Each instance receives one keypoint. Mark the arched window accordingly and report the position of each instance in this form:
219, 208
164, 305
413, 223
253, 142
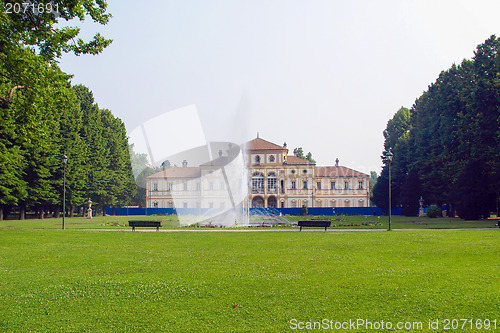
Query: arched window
271, 158
258, 202
257, 159
258, 182
347, 203
271, 182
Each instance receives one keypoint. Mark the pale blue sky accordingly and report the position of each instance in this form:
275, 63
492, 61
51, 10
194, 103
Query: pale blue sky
324, 75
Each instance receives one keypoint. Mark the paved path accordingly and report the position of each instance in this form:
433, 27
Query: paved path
271, 230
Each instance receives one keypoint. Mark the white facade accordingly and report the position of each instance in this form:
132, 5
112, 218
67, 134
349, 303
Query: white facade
275, 179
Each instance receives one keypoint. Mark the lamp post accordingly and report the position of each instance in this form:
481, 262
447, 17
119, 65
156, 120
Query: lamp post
421, 208
312, 197
388, 158
64, 160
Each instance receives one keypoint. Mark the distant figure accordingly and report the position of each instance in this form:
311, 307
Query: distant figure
89, 210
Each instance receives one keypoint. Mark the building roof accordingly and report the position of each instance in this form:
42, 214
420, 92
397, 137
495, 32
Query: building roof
176, 172
340, 171
260, 144
294, 160
219, 161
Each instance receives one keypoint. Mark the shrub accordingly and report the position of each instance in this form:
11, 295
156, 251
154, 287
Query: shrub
433, 211
304, 210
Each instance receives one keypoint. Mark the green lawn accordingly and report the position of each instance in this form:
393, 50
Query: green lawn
171, 221
99, 281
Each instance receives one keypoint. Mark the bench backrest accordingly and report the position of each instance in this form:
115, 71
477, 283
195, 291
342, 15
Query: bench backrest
314, 223
144, 223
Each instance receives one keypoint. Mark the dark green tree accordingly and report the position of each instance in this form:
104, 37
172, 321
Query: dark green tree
450, 152
299, 152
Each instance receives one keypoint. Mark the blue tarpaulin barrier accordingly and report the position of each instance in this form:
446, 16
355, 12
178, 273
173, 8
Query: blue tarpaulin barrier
314, 211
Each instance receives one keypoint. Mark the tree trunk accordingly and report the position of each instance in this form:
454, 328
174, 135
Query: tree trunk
57, 212
40, 213
71, 210
22, 211
1, 212
114, 211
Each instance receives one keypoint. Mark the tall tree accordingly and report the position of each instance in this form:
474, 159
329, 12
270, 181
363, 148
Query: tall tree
450, 153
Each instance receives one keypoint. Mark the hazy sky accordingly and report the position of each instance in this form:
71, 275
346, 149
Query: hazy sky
323, 75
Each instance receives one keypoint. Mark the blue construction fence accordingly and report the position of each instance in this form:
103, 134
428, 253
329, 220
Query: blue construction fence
314, 211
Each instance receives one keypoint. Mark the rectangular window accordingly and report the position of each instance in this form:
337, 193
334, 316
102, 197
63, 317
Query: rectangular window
293, 186
185, 187
170, 186
185, 205
271, 184
258, 182
305, 185
318, 185
346, 185
155, 187
211, 186
222, 185
360, 185
210, 205
332, 185
294, 204
198, 186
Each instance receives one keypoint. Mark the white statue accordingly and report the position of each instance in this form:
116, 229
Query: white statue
89, 210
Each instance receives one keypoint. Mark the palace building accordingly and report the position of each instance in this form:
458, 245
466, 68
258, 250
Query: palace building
275, 180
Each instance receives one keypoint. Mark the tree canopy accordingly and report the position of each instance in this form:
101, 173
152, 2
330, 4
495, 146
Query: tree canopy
299, 152
43, 117
446, 147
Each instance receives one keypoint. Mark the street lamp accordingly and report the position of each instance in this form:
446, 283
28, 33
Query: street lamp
312, 197
388, 158
64, 160
421, 209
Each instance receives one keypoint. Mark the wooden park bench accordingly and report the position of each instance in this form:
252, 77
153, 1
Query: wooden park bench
314, 223
145, 224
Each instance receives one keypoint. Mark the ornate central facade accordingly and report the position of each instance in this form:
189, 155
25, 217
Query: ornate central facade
280, 180
276, 180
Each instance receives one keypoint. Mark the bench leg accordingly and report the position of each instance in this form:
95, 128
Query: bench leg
325, 228
300, 228
133, 228
157, 228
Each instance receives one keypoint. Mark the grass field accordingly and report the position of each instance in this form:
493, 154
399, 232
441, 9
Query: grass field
99, 281
171, 221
